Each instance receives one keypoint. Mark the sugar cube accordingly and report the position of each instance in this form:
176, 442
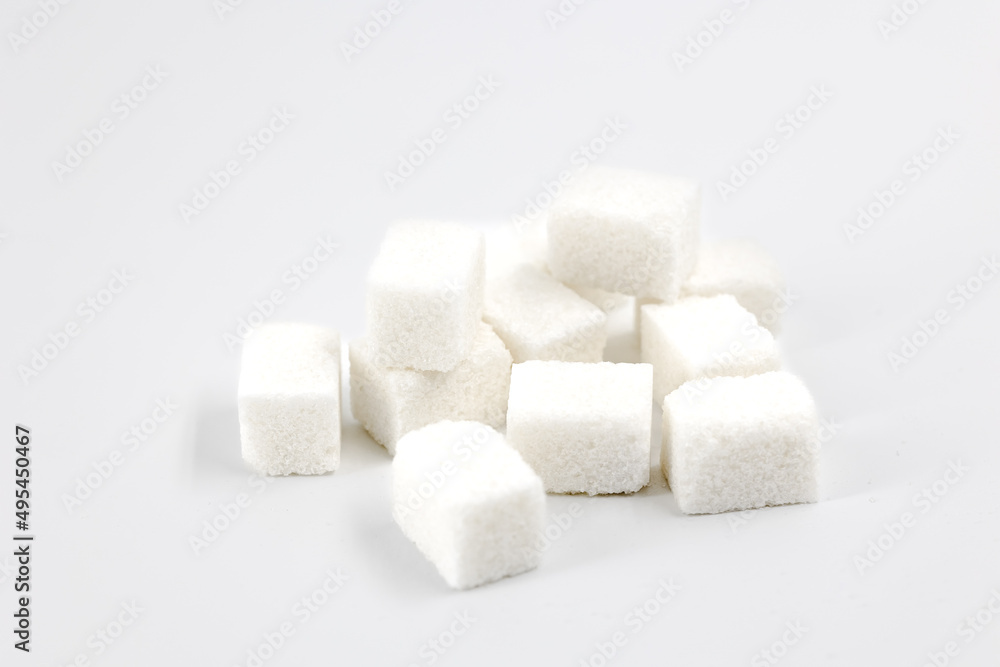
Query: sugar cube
425, 295
745, 270
603, 299
585, 428
625, 231
289, 399
736, 443
468, 501
701, 337
537, 317
390, 402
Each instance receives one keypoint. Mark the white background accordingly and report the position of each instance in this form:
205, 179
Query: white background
741, 578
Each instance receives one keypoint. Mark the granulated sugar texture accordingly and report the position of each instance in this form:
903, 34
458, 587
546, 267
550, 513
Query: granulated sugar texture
486, 373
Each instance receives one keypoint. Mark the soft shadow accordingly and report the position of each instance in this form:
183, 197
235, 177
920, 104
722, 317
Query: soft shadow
395, 559
357, 449
622, 348
217, 443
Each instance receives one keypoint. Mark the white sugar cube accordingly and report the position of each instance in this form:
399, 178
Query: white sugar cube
468, 501
737, 443
390, 402
585, 428
701, 337
606, 301
537, 317
625, 231
510, 246
745, 270
289, 399
425, 295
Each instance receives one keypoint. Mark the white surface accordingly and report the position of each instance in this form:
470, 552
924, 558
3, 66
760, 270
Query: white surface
742, 577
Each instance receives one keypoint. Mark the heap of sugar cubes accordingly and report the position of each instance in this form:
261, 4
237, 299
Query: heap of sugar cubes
488, 385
